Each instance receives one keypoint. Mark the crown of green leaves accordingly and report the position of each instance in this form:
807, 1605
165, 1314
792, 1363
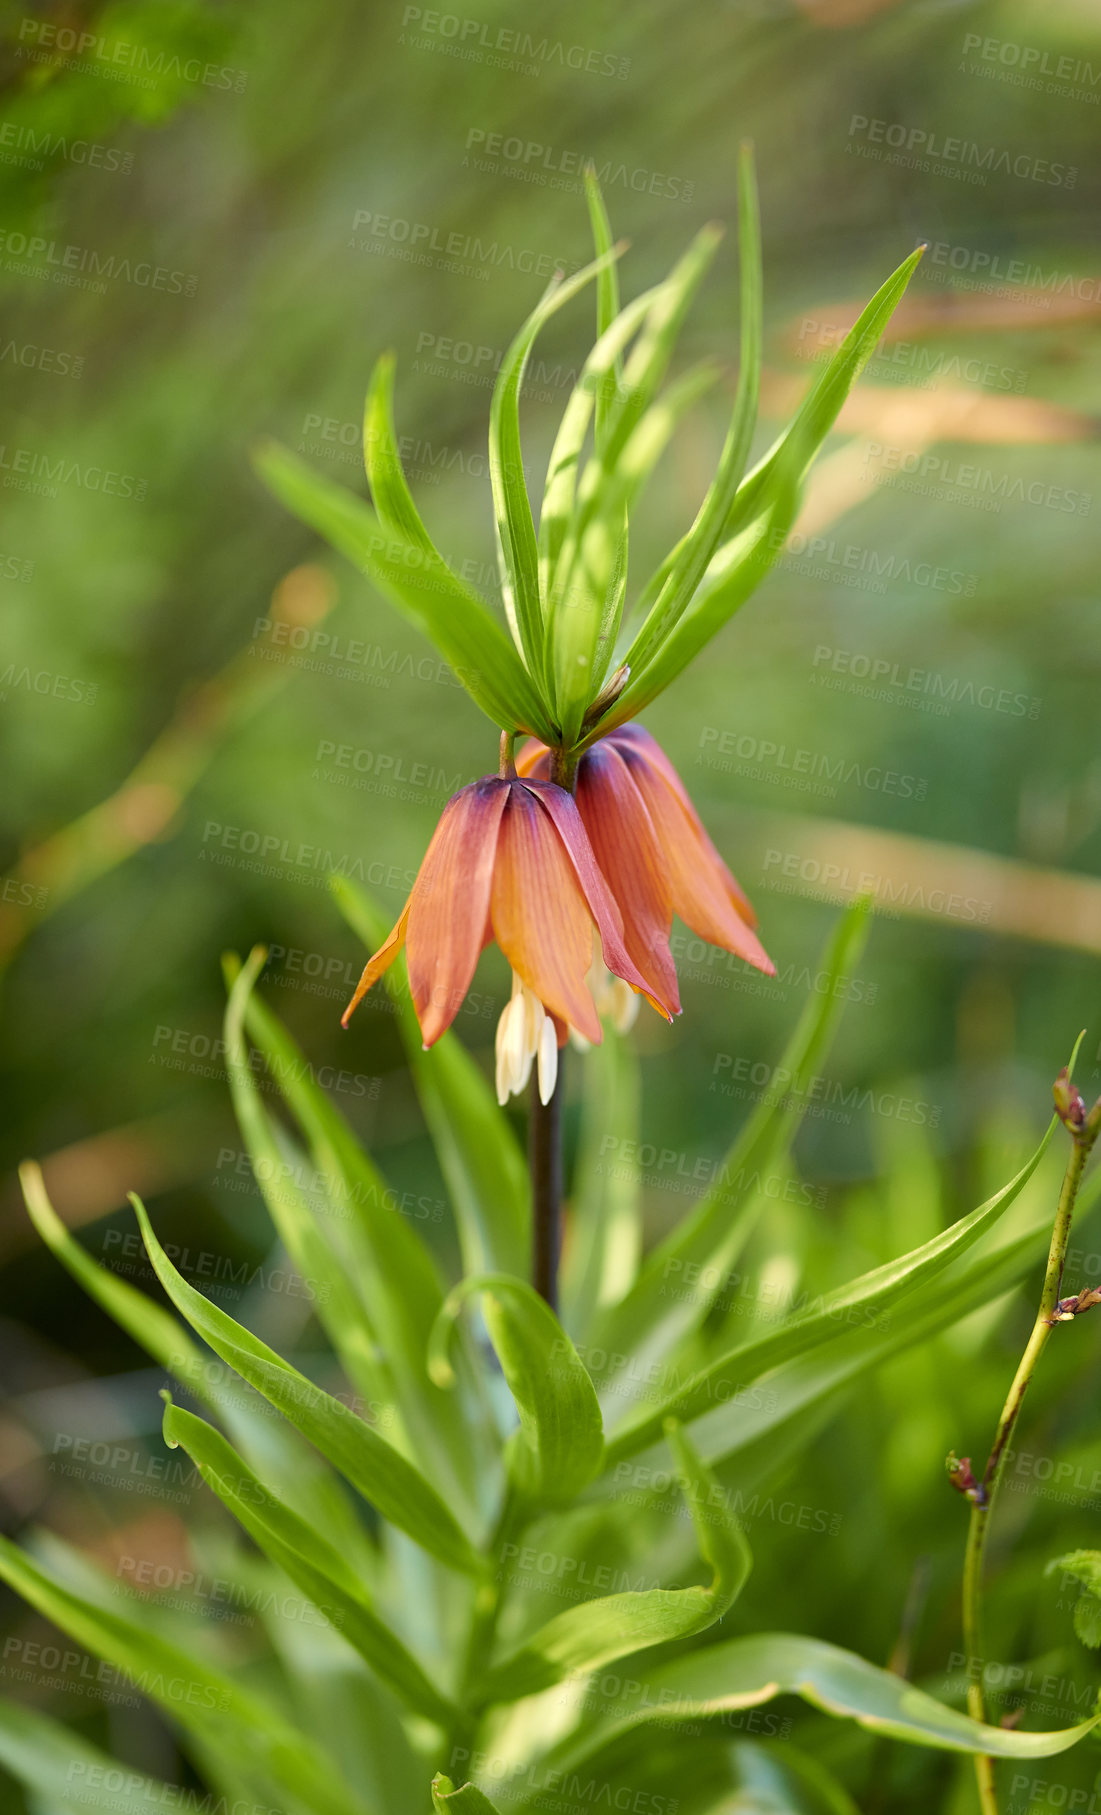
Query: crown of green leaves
564, 583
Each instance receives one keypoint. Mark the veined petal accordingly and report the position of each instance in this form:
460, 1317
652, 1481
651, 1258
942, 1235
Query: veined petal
700, 880
540, 918
636, 741
375, 966
450, 901
562, 809
632, 863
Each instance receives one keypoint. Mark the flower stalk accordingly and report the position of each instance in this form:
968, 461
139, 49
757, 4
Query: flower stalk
1083, 1129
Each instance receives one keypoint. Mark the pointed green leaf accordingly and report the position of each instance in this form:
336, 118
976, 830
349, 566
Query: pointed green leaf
558, 1448
598, 494
587, 602
212, 1706
764, 509
382, 458
516, 543
54, 1762
607, 297
372, 1255
301, 1475
694, 553
468, 1800
374, 1468
745, 1673
862, 1303
419, 584
149, 1325
596, 381
601, 1260
659, 1311
795, 1386
480, 1158
593, 1634
314, 1566
337, 1304
791, 455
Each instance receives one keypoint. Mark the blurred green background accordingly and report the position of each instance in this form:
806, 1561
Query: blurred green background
213, 219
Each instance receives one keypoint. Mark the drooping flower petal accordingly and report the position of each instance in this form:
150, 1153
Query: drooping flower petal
626, 847
540, 918
450, 901
381, 961
562, 809
635, 741
705, 895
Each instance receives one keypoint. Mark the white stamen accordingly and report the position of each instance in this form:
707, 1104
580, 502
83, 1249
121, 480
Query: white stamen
623, 1005
504, 1053
521, 1038
548, 1060
615, 1000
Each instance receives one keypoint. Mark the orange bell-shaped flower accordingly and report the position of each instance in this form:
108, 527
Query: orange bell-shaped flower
656, 857
510, 861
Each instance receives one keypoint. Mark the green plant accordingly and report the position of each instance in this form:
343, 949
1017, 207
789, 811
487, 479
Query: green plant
473, 1424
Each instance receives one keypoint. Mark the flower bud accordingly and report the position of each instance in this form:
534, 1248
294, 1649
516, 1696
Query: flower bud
1069, 1104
